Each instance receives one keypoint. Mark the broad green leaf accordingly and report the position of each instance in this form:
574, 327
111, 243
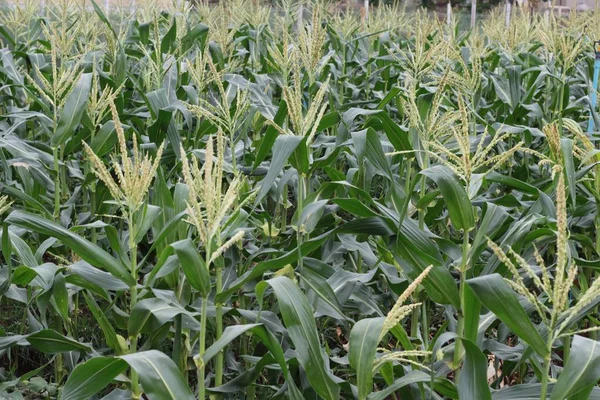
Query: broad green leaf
159, 376
397, 137
274, 264
472, 308
473, 376
107, 329
22, 250
88, 275
265, 336
105, 139
194, 267
355, 207
92, 376
325, 299
196, 34
364, 339
490, 226
270, 135
298, 318
410, 378
73, 110
88, 251
455, 196
415, 251
168, 39
367, 226
156, 101
282, 150
310, 216
60, 296
368, 147
581, 370
167, 229
151, 314
495, 294
147, 215
103, 18
51, 342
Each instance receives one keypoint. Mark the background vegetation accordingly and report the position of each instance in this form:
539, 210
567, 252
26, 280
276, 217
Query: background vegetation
227, 201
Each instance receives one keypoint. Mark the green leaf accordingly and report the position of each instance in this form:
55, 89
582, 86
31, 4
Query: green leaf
282, 150
355, 207
193, 265
473, 376
273, 264
455, 196
265, 336
566, 146
271, 134
105, 139
364, 339
103, 18
367, 226
408, 379
156, 101
415, 251
7, 247
193, 35
169, 38
582, 368
51, 342
472, 308
107, 329
148, 214
310, 216
490, 226
92, 376
151, 314
73, 110
159, 376
495, 294
88, 251
298, 318
397, 137
325, 299
60, 296
368, 146
166, 230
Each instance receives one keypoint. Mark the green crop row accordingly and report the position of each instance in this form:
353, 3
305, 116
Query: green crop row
242, 201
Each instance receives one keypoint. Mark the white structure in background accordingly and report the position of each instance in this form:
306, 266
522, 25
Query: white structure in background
564, 7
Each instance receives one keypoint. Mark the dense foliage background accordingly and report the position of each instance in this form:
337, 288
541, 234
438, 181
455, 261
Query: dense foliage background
228, 201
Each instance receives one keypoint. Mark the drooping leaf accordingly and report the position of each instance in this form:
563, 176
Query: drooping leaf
298, 318
85, 249
581, 370
92, 376
159, 376
193, 265
455, 196
498, 297
473, 376
73, 110
364, 339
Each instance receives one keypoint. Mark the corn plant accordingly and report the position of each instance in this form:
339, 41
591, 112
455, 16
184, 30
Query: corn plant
294, 200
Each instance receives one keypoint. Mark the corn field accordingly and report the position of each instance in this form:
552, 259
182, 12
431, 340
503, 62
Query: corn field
243, 201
